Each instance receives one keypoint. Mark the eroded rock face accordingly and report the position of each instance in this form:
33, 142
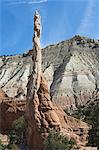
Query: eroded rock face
2, 94
71, 68
72, 127
10, 109
42, 115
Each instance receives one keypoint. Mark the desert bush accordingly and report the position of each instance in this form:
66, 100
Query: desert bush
17, 132
57, 141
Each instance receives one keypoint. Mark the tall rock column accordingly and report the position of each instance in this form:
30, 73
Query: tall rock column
40, 112
37, 57
42, 115
35, 77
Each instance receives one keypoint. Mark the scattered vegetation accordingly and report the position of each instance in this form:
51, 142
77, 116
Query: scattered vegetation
1, 145
57, 141
12, 147
90, 114
17, 133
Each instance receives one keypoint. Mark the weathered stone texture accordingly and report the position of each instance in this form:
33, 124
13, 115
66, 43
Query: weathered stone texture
42, 114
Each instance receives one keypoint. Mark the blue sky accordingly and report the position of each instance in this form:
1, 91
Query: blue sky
61, 20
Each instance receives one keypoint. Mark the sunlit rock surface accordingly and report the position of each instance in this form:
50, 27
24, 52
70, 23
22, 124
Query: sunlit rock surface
71, 68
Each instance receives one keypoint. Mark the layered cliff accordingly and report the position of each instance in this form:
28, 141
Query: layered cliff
71, 68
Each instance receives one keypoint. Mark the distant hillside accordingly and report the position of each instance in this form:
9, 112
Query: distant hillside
71, 68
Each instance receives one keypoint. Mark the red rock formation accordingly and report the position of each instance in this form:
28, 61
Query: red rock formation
10, 109
2, 94
42, 114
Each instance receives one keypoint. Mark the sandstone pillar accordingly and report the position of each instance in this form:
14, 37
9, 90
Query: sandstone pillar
42, 115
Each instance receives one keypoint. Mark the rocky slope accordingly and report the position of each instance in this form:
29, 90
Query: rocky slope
71, 68
43, 115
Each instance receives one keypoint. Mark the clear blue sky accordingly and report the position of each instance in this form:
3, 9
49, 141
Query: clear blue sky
61, 20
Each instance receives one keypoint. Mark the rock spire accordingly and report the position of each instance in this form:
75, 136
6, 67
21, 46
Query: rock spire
36, 57
42, 115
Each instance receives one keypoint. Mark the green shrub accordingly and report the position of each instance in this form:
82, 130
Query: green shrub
17, 132
57, 141
1, 145
12, 147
